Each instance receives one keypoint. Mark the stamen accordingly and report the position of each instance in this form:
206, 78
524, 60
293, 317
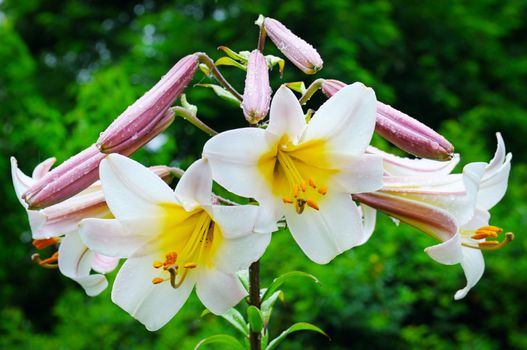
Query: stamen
190, 265
173, 274
170, 260
300, 205
44, 243
491, 228
492, 245
323, 190
488, 243
157, 280
157, 264
287, 200
312, 182
303, 186
295, 191
312, 204
483, 235
47, 263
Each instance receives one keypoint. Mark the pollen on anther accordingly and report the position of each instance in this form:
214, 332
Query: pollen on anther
312, 182
295, 191
157, 264
323, 190
287, 200
190, 265
303, 186
157, 280
312, 204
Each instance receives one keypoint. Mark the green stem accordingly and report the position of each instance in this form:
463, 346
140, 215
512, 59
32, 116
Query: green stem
203, 58
254, 299
314, 87
191, 118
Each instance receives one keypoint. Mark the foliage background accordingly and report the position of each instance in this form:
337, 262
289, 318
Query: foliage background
67, 68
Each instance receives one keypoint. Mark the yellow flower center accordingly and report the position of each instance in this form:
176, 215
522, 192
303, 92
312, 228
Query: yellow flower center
188, 240
297, 173
482, 234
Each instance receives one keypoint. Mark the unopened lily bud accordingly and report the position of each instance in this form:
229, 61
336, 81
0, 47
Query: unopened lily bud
302, 54
405, 132
144, 115
257, 93
81, 170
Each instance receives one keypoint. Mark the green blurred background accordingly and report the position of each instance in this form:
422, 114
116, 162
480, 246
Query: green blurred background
68, 68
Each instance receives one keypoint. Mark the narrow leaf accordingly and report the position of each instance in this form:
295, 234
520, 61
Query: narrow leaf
255, 318
267, 305
222, 93
221, 339
300, 326
297, 86
235, 318
232, 54
203, 67
277, 282
227, 61
273, 61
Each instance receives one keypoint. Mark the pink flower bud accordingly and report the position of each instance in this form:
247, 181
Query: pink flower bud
402, 130
143, 116
257, 93
81, 170
302, 54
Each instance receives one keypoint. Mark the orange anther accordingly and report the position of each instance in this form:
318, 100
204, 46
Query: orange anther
295, 191
157, 264
190, 265
157, 280
44, 243
312, 182
312, 204
303, 186
287, 200
489, 233
323, 190
491, 228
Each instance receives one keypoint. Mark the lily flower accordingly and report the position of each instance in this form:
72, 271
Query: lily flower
454, 209
400, 166
59, 224
173, 240
305, 171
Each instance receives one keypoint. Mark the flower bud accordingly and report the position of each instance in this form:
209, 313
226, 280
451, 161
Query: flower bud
302, 54
405, 132
81, 170
143, 116
257, 93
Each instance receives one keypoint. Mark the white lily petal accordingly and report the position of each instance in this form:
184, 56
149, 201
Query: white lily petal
151, 304
479, 219
399, 166
132, 191
237, 254
109, 237
235, 221
286, 116
360, 174
369, 217
104, 264
194, 187
219, 291
43, 168
75, 261
234, 157
473, 267
346, 121
21, 181
494, 182
325, 233
448, 252
37, 222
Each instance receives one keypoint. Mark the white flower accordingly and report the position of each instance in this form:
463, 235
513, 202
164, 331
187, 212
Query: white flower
173, 241
305, 171
59, 224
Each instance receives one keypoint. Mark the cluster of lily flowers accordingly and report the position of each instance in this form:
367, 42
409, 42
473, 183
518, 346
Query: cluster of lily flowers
315, 173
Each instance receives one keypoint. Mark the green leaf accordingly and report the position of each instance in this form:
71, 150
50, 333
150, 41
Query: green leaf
300, 326
273, 61
277, 282
205, 69
235, 318
227, 61
267, 305
222, 93
255, 318
243, 276
232, 342
232, 54
298, 86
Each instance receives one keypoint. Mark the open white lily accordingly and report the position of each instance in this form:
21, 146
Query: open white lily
305, 171
452, 209
59, 224
173, 241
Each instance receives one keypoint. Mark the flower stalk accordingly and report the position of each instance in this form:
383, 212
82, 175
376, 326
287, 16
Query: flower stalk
205, 59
